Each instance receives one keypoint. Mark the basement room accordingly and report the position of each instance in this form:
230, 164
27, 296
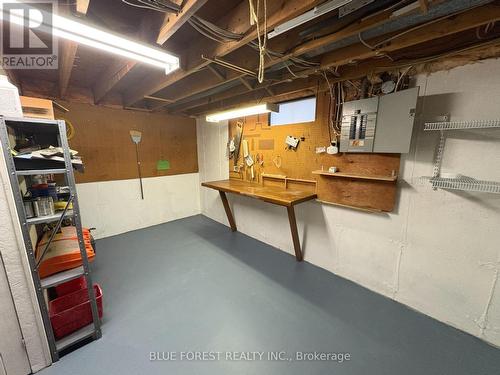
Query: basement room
250, 187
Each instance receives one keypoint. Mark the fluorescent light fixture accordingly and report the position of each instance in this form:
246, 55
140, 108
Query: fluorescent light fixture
77, 31
242, 112
307, 16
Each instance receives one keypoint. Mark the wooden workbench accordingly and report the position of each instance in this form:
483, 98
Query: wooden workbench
271, 194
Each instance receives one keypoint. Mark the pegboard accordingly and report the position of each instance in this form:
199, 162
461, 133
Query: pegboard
102, 139
299, 164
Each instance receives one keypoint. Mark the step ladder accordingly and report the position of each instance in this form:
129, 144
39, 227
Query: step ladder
56, 129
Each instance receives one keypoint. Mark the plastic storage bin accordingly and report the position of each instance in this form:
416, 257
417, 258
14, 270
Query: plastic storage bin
71, 312
71, 286
64, 251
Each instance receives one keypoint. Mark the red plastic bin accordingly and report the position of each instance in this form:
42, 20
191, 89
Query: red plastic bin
71, 312
71, 286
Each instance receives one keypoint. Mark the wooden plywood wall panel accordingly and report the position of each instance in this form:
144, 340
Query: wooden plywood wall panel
301, 163
102, 138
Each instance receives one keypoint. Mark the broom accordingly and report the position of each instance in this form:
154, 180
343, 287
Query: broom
136, 138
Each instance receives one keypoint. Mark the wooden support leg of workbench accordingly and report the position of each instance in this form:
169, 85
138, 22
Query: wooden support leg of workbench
229, 214
295, 233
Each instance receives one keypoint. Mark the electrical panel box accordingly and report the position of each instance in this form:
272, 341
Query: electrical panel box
379, 124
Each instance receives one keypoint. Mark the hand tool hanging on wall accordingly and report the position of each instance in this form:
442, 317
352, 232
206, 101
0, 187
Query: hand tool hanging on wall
237, 141
136, 138
248, 158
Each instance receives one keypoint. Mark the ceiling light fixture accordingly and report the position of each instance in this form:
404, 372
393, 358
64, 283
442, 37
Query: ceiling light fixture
242, 112
79, 32
307, 16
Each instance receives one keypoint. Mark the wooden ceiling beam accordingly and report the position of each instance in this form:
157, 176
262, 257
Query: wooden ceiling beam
66, 63
355, 28
120, 68
172, 22
216, 72
462, 55
113, 74
281, 92
68, 51
424, 5
237, 21
452, 25
245, 83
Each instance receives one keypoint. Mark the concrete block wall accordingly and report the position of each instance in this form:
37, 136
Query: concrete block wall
439, 251
115, 207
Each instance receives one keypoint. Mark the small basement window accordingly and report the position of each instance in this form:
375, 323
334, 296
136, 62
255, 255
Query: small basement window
294, 112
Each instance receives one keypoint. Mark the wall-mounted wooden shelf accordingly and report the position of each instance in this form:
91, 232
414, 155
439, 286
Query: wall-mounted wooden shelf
356, 176
364, 209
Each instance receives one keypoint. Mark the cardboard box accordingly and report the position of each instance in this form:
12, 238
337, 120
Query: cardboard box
37, 108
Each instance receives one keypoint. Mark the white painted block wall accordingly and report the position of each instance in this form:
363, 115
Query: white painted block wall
439, 251
115, 207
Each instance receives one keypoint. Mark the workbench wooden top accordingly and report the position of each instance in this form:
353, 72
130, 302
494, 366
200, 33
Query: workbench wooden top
271, 194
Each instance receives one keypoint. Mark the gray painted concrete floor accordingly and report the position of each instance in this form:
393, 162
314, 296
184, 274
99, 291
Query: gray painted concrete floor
192, 285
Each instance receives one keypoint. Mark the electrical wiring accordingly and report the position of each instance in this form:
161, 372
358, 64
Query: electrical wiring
487, 29
407, 31
295, 61
330, 118
493, 42
401, 77
336, 99
206, 34
212, 31
220, 35
155, 5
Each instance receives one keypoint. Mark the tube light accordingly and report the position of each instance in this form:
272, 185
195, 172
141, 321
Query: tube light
242, 112
307, 16
76, 31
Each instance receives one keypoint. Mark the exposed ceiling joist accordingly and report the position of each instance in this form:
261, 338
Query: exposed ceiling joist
66, 62
112, 75
281, 92
461, 22
119, 69
238, 21
355, 28
246, 83
172, 22
349, 72
68, 52
424, 5
157, 99
216, 72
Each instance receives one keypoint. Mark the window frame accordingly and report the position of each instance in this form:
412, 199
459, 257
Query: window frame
297, 100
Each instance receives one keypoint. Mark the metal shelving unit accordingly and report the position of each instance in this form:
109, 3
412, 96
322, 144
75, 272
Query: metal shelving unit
56, 128
62, 277
48, 219
31, 172
460, 182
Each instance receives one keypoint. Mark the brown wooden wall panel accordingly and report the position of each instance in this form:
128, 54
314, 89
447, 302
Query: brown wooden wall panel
300, 164
102, 138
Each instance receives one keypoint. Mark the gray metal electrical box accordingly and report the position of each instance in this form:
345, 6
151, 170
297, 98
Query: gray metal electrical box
379, 124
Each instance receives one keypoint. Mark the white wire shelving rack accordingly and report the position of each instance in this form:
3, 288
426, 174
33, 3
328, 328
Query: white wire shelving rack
462, 125
459, 182
464, 183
